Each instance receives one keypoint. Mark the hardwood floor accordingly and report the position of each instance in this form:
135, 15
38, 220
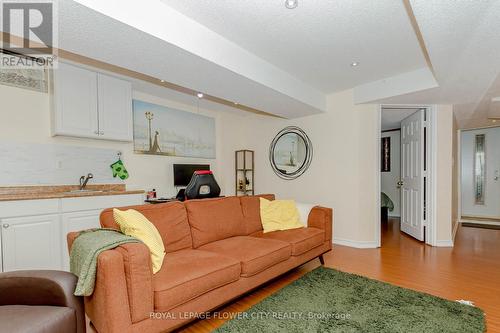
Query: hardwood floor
469, 271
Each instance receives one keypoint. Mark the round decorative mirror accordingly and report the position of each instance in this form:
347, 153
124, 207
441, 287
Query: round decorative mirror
290, 153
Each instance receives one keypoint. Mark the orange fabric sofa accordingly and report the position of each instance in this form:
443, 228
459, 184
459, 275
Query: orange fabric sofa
215, 252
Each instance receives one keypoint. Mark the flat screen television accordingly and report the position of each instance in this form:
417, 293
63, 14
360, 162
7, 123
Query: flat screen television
184, 172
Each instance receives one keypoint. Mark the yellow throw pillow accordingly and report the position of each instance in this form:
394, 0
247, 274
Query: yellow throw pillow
133, 223
279, 215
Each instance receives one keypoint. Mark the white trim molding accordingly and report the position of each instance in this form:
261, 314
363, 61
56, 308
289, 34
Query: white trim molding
378, 180
431, 229
356, 244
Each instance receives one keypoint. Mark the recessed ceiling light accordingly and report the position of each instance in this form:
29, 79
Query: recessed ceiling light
162, 81
200, 95
236, 103
354, 64
291, 4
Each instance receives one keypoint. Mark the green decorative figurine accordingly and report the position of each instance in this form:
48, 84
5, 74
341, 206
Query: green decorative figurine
119, 169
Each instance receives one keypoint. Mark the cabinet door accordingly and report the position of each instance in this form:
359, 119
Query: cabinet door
75, 102
76, 222
115, 108
31, 243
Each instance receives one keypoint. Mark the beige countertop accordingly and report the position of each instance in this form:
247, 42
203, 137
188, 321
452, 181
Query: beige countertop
11, 193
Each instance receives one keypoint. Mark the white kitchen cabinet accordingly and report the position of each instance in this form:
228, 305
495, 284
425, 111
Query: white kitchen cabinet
75, 102
89, 104
115, 108
33, 232
31, 242
76, 222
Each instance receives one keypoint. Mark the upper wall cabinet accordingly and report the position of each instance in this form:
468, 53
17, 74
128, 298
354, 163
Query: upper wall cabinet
75, 102
91, 105
115, 108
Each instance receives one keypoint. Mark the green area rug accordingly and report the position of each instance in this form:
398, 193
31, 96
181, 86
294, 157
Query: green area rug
326, 300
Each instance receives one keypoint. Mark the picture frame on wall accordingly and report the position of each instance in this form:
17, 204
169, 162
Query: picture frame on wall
161, 130
386, 155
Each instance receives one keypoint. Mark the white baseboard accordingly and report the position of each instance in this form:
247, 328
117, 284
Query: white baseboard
479, 222
356, 244
444, 243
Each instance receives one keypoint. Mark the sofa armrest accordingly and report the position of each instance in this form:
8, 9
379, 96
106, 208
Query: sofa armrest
46, 288
139, 277
70, 238
322, 218
108, 307
123, 287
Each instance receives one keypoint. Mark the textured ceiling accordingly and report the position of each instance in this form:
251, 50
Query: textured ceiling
463, 41
285, 61
317, 41
92, 34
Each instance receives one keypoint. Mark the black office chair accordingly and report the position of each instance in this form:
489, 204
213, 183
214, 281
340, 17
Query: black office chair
202, 185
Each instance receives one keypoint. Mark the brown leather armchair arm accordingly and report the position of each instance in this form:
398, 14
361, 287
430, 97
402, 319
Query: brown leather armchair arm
51, 288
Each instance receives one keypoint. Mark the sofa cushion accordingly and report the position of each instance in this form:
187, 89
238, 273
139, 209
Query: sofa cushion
37, 319
279, 215
133, 223
250, 206
169, 218
301, 240
214, 219
255, 254
187, 274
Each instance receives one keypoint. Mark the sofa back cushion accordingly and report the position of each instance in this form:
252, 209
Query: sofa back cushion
169, 218
214, 219
250, 207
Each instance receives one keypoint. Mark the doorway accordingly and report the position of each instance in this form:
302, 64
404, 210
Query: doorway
480, 176
406, 168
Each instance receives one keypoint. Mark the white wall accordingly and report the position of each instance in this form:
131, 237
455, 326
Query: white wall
51, 164
343, 174
344, 169
389, 180
444, 174
491, 208
25, 118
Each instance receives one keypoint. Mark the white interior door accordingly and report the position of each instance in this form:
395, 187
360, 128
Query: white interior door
412, 175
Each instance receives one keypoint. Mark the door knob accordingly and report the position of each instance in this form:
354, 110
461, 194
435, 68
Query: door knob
6, 225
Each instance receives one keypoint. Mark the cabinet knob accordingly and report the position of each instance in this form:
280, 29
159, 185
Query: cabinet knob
6, 225
96, 132
101, 133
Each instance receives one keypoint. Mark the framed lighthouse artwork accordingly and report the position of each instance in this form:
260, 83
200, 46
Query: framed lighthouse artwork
161, 130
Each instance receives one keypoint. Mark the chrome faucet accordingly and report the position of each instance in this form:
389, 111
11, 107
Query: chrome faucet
84, 180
